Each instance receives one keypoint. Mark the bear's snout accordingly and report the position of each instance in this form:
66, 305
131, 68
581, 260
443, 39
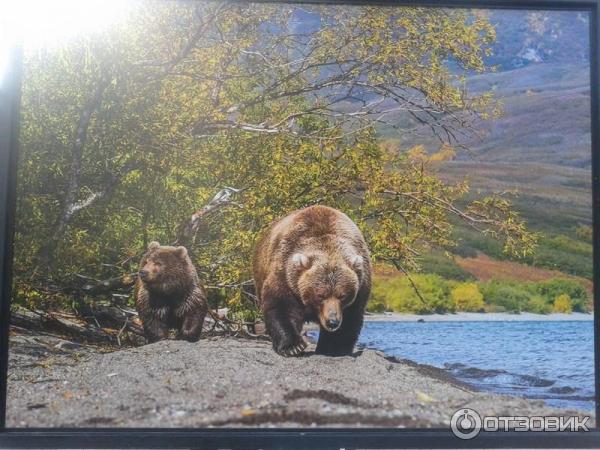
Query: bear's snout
143, 274
331, 314
332, 324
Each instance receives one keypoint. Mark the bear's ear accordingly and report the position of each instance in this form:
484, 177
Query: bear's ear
357, 262
181, 251
301, 261
153, 245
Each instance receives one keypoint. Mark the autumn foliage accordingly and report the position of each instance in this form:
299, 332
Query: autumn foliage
126, 134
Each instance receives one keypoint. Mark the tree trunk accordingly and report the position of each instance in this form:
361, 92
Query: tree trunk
70, 205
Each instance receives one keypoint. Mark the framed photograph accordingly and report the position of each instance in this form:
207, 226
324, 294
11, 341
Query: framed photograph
234, 224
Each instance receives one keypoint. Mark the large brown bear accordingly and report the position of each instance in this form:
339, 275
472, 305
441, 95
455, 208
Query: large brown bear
168, 294
313, 265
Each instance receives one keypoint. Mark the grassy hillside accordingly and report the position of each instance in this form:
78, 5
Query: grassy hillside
546, 118
484, 268
540, 150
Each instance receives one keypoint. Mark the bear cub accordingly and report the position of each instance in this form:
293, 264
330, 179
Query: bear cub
168, 294
313, 265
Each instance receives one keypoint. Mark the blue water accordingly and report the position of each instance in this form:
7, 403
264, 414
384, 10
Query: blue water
553, 361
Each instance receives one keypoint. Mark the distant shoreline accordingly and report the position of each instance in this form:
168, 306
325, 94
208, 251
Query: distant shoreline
478, 317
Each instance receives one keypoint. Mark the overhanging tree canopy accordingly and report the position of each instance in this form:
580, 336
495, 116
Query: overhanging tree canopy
127, 134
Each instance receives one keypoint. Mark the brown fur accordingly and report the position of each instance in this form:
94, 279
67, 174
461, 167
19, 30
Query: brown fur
313, 265
168, 294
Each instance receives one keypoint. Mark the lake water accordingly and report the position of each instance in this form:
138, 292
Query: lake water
548, 360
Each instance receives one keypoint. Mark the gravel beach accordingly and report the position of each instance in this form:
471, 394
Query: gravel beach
229, 382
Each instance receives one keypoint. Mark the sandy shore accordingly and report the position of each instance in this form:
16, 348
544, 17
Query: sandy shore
228, 382
477, 317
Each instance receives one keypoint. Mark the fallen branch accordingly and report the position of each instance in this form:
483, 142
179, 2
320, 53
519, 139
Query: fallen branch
236, 327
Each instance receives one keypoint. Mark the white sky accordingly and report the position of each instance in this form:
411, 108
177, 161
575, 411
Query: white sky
43, 23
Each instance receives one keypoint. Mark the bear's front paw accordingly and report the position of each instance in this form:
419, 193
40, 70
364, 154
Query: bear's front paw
291, 349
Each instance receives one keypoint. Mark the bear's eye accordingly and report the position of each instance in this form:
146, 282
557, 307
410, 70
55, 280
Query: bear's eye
347, 297
158, 264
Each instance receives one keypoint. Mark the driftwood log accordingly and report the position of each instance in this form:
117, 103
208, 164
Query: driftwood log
52, 322
111, 285
111, 325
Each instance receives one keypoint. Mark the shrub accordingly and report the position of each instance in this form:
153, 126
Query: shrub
562, 304
376, 305
584, 232
494, 309
513, 297
471, 242
444, 266
398, 294
564, 243
466, 297
565, 261
538, 305
555, 287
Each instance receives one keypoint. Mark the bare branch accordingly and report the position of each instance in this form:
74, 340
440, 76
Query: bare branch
399, 267
189, 228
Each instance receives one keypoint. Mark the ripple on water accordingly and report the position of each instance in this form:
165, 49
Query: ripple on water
548, 360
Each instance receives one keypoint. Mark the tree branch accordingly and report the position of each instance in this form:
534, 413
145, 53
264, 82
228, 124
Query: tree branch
189, 228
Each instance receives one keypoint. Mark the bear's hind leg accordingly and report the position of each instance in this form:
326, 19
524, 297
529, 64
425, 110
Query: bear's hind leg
283, 321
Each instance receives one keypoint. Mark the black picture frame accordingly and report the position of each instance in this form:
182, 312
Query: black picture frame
287, 438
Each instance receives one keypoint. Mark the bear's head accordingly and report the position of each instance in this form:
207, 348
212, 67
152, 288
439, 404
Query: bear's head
326, 284
166, 269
